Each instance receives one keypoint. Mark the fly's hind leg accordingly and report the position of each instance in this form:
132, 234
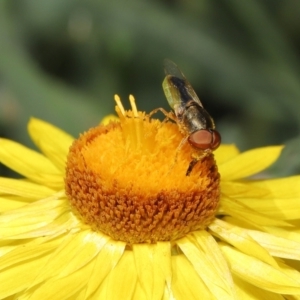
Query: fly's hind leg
168, 115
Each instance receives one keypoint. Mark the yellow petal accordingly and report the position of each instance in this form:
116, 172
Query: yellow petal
63, 223
18, 277
280, 209
280, 200
291, 297
288, 187
31, 216
75, 251
186, 283
110, 118
242, 190
30, 164
288, 233
239, 238
153, 264
249, 163
277, 246
240, 211
168, 293
121, 281
208, 244
10, 202
64, 287
105, 261
248, 291
8, 246
28, 251
24, 188
4, 249
225, 153
52, 141
139, 293
205, 265
261, 274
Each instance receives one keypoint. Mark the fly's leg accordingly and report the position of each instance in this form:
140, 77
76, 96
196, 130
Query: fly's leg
168, 115
195, 160
183, 141
191, 166
171, 116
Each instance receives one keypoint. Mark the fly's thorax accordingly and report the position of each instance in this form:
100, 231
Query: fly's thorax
196, 118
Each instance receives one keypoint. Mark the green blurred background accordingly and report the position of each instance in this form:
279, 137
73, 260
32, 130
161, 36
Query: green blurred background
63, 60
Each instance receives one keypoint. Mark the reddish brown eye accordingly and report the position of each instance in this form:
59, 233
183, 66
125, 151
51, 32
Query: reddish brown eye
205, 139
216, 140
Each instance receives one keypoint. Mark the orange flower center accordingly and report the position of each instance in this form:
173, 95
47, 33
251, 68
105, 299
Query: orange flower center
128, 180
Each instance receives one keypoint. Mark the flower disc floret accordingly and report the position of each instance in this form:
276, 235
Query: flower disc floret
127, 179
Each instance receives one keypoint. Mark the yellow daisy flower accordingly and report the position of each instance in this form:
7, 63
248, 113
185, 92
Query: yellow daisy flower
115, 217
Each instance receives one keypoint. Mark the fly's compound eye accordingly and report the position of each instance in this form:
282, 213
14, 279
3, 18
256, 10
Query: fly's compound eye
205, 139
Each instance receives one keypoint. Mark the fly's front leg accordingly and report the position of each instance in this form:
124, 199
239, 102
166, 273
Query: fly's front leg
196, 158
191, 166
183, 141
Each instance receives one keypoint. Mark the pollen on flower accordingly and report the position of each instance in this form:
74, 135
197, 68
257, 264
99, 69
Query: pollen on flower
128, 180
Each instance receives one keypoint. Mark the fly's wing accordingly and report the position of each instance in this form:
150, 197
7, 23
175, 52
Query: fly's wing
172, 69
174, 92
